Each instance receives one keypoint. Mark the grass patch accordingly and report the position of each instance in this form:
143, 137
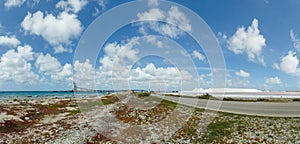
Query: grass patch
218, 130
90, 105
109, 100
172, 95
296, 99
238, 100
149, 116
74, 112
169, 104
87, 106
207, 96
142, 94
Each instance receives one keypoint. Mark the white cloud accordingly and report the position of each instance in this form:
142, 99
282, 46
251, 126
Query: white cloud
57, 31
13, 3
242, 73
116, 67
198, 55
65, 73
153, 14
9, 41
295, 40
153, 3
222, 37
158, 77
289, 63
102, 4
151, 72
71, 5
178, 18
153, 40
49, 65
248, 41
16, 66
174, 18
273, 80
84, 74
61, 49
118, 57
276, 66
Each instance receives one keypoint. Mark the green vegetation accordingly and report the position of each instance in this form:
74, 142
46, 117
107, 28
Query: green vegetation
90, 105
240, 100
109, 100
168, 104
216, 131
142, 94
74, 112
172, 95
296, 99
207, 96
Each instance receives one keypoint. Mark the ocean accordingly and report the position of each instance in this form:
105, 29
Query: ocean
47, 94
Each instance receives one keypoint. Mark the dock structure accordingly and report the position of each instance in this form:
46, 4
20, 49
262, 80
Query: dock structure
80, 89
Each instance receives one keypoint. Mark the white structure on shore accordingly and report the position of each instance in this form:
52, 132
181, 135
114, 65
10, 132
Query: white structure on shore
238, 93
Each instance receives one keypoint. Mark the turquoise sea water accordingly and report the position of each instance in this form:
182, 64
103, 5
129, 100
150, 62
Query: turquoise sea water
46, 94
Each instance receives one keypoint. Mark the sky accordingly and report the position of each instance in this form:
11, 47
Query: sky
150, 44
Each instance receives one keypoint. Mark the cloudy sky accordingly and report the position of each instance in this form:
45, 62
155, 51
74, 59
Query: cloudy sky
259, 40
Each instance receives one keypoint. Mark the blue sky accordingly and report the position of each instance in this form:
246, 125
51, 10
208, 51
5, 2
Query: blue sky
39, 40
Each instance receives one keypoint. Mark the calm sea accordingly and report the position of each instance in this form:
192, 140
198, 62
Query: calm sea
46, 94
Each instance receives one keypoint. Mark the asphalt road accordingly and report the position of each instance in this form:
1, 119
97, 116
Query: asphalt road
291, 109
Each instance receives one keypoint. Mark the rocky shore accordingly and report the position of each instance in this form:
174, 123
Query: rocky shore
132, 119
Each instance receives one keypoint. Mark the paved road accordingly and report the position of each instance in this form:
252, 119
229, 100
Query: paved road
249, 108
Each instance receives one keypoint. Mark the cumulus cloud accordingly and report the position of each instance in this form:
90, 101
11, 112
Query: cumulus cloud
174, 18
151, 72
15, 65
295, 40
198, 55
116, 68
153, 3
242, 73
71, 5
116, 72
10, 41
49, 65
249, 41
118, 59
159, 77
13, 3
273, 80
57, 31
84, 74
289, 63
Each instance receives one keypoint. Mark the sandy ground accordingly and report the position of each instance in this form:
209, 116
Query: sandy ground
129, 119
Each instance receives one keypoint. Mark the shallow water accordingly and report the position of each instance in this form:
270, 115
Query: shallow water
47, 94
